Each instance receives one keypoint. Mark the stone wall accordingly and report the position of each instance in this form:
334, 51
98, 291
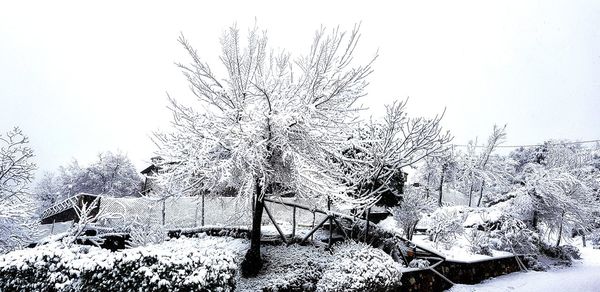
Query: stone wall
423, 280
459, 273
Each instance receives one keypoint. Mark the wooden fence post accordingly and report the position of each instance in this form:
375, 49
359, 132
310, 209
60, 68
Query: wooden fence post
196, 215
313, 225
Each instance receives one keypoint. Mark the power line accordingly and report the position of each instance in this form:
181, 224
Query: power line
531, 145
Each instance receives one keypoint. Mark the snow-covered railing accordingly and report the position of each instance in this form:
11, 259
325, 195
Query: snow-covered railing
65, 204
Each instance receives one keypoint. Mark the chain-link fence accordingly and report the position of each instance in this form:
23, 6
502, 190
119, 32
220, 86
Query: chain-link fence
189, 212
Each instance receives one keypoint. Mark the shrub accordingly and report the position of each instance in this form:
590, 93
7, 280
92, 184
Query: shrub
419, 263
514, 236
479, 242
595, 238
563, 252
293, 268
359, 267
142, 234
446, 225
534, 264
179, 265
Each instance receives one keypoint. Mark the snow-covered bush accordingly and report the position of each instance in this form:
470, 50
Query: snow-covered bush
514, 236
563, 252
150, 232
446, 225
360, 267
479, 242
595, 239
351, 267
293, 268
419, 263
179, 265
532, 263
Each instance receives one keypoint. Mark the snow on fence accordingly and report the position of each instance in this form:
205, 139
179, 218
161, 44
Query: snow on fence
188, 212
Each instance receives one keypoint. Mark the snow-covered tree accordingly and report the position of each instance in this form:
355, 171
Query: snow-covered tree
48, 190
383, 148
274, 124
415, 203
562, 188
561, 200
277, 125
438, 171
16, 205
113, 174
446, 224
478, 168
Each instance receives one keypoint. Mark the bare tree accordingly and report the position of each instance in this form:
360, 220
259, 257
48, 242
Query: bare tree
16, 172
438, 171
273, 125
414, 205
475, 166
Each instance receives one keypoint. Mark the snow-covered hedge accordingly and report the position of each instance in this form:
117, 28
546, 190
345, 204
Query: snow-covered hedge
514, 236
564, 252
359, 267
351, 267
177, 265
294, 268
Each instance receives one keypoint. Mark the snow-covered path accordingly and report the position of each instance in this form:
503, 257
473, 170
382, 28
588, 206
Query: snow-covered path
582, 276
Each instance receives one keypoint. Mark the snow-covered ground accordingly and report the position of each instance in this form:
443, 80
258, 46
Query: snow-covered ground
459, 251
583, 276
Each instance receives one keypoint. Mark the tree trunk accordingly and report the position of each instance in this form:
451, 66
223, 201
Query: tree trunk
481, 193
253, 262
427, 185
470, 194
534, 221
560, 228
441, 187
412, 231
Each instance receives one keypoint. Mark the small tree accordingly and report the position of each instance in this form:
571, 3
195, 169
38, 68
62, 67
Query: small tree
415, 203
477, 168
16, 172
446, 225
438, 171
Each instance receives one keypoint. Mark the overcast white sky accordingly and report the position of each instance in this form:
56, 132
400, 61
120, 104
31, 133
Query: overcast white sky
80, 78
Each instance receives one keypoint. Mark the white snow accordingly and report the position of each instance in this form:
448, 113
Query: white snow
459, 251
583, 276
